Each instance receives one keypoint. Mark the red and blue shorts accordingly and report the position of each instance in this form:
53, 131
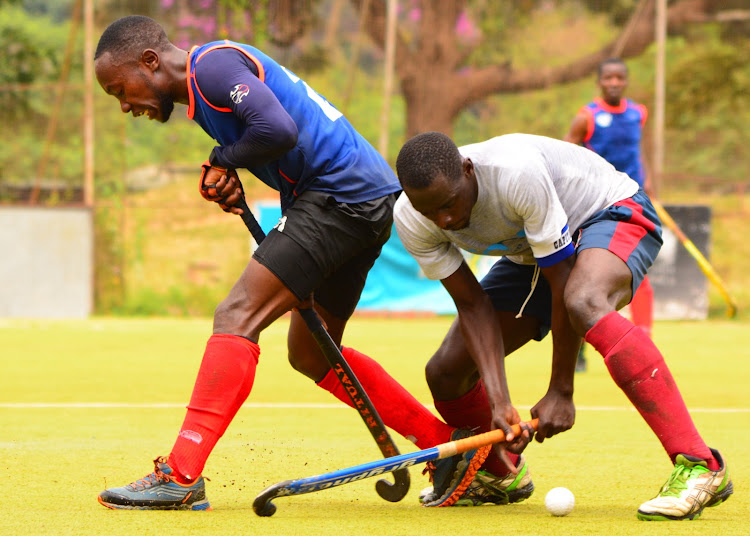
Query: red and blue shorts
630, 229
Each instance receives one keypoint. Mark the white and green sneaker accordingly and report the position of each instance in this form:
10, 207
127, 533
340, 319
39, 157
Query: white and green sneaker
691, 487
487, 488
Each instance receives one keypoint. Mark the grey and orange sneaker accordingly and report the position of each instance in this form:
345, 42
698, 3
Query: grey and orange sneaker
691, 487
157, 491
452, 476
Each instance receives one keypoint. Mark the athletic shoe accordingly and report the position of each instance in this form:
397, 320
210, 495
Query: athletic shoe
451, 476
487, 488
691, 487
157, 491
425, 493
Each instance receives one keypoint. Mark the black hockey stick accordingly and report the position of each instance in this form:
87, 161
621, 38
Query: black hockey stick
390, 492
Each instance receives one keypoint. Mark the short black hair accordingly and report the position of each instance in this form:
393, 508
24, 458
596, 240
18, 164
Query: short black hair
425, 157
126, 38
610, 61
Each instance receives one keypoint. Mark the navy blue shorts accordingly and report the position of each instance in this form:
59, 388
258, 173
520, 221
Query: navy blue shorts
508, 284
629, 228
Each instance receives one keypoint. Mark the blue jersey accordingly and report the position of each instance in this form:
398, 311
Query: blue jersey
242, 98
614, 132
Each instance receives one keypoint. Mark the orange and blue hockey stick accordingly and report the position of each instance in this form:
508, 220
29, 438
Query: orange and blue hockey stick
263, 506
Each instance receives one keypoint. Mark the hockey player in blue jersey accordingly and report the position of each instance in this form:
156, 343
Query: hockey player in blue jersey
337, 195
612, 126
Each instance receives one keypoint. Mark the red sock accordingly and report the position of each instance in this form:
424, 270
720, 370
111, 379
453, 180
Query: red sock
225, 379
397, 408
638, 368
642, 307
472, 410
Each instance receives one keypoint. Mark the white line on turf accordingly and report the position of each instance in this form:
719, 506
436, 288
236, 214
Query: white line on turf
287, 405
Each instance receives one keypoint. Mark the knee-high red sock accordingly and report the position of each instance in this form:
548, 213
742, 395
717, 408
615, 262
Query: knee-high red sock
396, 406
638, 368
642, 307
225, 379
472, 410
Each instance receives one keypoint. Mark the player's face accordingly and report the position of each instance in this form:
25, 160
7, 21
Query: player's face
613, 81
447, 202
135, 87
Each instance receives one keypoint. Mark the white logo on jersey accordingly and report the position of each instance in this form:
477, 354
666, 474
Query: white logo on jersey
280, 226
604, 119
239, 92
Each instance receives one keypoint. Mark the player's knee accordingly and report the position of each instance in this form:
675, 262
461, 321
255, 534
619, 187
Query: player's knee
298, 362
433, 375
584, 307
228, 318
224, 319
444, 382
308, 363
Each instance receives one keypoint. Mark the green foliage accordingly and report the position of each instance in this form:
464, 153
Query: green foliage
109, 276
32, 53
56, 10
707, 105
717, 66
496, 21
183, 301
30, 70
618, 11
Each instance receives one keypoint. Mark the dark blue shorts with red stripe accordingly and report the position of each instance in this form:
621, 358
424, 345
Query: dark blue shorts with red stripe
630, 229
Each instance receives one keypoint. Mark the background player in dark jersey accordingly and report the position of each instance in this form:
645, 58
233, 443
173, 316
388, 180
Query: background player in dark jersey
612, 126
337, 195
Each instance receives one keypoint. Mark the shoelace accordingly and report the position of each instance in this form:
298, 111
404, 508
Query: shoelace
429, 468
151, 479
678, 479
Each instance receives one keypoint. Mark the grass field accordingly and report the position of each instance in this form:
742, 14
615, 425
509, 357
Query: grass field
86, 405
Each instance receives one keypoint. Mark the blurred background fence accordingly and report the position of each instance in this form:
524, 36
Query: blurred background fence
516, 66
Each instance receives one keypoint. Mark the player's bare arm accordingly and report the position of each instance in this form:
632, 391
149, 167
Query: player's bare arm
485, 344
578, 129
270, 132
556, 410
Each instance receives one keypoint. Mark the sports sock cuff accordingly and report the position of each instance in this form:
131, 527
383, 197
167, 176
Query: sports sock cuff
329, 381
606, 333
468, 410
236, 339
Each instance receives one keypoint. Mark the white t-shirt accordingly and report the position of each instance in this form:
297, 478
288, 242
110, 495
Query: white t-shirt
533, 192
